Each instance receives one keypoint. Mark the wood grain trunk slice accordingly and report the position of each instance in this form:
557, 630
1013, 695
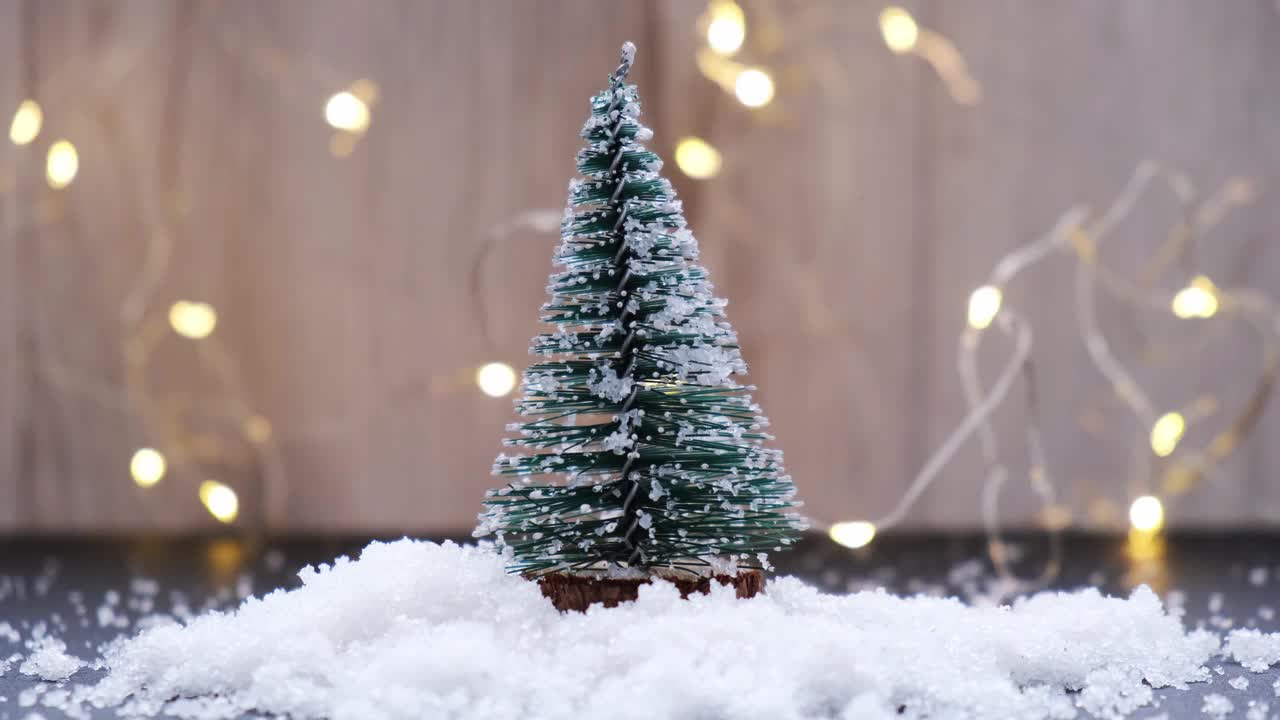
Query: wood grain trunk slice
578, 592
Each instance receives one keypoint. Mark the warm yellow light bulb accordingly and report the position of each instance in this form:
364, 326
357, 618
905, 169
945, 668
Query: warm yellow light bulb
26, 122
1146, 514
727, 28
219, 500
984, 305
753, 87
496, 379
193, 320
899, 29
147, 467
1199, 299
345, 111
62, 165
1166, 433
697, 158
853, 534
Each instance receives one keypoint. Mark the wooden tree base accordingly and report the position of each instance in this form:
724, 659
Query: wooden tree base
578, 592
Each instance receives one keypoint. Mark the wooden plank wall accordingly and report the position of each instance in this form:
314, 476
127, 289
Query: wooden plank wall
357, 294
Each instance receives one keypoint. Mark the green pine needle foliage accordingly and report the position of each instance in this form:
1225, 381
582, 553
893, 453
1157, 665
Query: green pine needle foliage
641, 449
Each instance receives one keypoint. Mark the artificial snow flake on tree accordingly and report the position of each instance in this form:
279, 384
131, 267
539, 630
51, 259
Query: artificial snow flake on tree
644, 452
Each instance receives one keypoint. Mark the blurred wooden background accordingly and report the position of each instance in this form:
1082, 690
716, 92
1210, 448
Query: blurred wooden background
357, 294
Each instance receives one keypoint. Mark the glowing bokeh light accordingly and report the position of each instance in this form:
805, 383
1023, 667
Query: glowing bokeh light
147, 467
753, 87
1146, 514
496, 379
984, 305
727, 29
62, 165
853, 534
219, 500
1166, 432
899, 29
345, 111
1199, 299
697, 158
192, 319
26, 123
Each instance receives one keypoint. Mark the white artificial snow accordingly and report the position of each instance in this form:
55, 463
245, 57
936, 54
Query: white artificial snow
1239, 682
1217, 706
144, 586
1253, 649
1258, 576
49, 660
419, 630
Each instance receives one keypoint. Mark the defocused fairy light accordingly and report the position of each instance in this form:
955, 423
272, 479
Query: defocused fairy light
984, 305
345, 111
147, 467
853, 534
496, 379
753, 87
62, 165
26, 123
697, 158
219, 500
1146, 514
899, 29
903, 36
1199, 299
193, 320
1166, 432
727, 28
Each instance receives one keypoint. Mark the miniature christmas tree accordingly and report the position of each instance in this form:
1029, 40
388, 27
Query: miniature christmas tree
634, 406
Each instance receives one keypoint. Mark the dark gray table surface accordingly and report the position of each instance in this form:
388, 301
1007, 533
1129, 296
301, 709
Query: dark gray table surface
211, 572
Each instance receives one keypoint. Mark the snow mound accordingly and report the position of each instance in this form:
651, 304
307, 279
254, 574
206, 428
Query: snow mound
420, 630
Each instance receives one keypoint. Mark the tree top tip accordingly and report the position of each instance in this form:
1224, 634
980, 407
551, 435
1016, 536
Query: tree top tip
626, 58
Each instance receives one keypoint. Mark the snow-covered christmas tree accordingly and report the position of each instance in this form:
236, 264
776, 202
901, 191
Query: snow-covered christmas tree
644, 452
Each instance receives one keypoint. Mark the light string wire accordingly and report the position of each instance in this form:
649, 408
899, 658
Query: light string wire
1072, 233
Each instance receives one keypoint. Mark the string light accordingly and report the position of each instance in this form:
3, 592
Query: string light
345, 111
853, 534
62, 165
26, 123
496, 379
195, 320
1166, 432
1146, 514
1199, 299
697, 158
984, 305
219, 500
753, 87
903, 36
1073, 232
727, 28
147, 467
899, 30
